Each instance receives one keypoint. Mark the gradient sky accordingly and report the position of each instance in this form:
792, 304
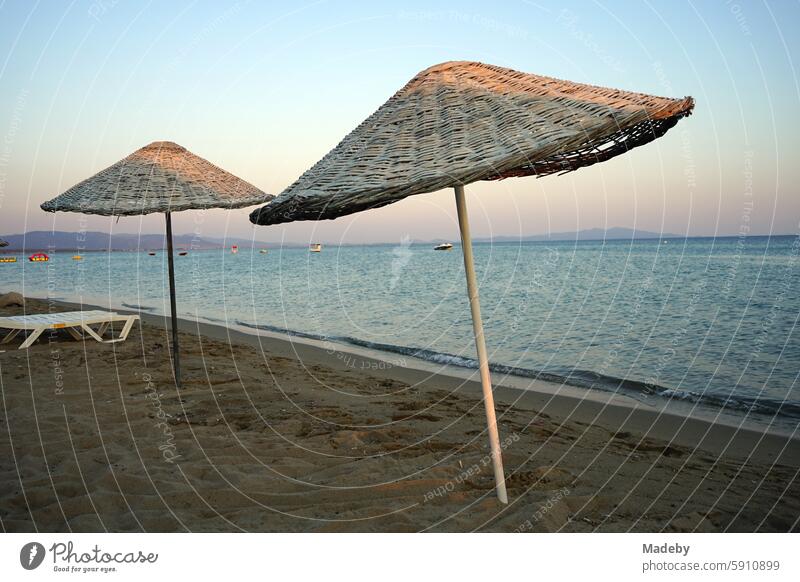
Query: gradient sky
265, 91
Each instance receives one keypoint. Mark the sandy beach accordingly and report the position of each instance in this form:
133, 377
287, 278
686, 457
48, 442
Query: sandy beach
273, 435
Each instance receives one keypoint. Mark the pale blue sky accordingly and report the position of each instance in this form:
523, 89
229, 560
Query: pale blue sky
265, 91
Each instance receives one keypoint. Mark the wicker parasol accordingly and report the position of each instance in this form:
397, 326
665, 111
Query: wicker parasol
161, 177
459, 122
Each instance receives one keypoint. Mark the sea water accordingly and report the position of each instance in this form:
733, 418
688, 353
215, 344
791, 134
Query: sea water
711, 322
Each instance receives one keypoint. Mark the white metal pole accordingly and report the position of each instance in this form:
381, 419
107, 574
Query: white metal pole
483, 359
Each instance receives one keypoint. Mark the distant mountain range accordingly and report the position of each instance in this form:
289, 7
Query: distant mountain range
100, 241
53, 241
616, 233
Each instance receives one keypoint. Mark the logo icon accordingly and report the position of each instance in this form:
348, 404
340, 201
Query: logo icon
31, 555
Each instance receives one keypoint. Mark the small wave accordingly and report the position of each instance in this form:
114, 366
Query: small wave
641, 391
286, 331
765, 406
211, 319
138, 307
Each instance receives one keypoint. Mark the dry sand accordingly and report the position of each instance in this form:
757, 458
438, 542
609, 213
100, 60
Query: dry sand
270, 435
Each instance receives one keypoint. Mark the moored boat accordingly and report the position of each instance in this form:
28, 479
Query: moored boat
38, 258
443, 247
315, 248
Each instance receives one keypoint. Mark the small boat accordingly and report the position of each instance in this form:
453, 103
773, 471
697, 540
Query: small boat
263, 251
8, 259
77, 258
38, 258
443, 247
183, 253
315, 248
152, 253
234, 249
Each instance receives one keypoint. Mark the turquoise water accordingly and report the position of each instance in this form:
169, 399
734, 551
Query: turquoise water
707, 321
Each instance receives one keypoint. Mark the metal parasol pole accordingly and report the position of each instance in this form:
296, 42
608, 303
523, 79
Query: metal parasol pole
176, 360
483, 360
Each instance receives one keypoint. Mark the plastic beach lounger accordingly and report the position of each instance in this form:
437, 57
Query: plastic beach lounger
74, 322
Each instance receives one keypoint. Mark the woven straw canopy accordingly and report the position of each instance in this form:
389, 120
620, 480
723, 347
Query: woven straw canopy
460, 122
160, 177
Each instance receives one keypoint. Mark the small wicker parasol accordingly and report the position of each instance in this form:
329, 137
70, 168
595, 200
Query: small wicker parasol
160, 177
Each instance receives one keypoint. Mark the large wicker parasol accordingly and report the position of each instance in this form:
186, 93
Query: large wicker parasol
460, 122
161, 177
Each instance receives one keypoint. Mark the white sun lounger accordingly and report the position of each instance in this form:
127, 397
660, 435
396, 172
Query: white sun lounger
73, 321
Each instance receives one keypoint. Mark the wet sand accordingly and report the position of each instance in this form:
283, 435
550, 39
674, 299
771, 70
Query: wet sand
276, 435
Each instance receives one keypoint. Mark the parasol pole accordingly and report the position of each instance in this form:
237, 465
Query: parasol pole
176, 360
483, 360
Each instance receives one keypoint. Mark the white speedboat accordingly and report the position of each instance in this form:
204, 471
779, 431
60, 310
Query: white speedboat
315, 248
443, 247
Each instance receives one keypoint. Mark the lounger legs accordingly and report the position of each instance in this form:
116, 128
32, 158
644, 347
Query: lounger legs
32, 338
123, 335
11, 335
98, 335
75, 333
92, 333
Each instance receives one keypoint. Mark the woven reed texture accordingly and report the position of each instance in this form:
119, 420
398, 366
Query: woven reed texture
460, 122
160, 177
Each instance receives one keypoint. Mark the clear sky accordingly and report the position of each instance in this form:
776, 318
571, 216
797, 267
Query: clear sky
264, 91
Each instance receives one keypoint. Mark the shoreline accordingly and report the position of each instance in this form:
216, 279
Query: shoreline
567, 403
647, 359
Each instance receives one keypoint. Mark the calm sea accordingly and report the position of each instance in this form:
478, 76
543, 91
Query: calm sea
711, 322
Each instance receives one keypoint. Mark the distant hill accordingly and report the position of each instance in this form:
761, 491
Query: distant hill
53, 241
